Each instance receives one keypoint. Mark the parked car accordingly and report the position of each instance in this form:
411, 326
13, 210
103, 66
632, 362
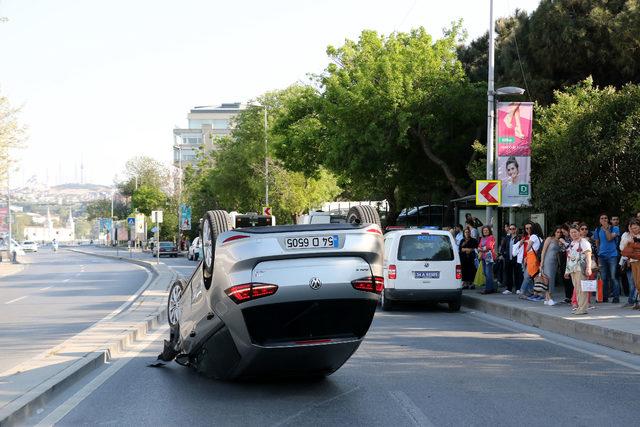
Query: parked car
29, 246
291, 300
166, 248
421, 265
194, 250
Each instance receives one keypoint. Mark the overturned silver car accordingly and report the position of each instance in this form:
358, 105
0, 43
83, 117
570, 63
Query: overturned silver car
292, 300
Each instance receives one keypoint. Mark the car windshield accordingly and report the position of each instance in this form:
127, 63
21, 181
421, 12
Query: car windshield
425, 247
166, 244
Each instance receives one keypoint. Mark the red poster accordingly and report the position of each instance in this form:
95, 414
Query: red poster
514, 128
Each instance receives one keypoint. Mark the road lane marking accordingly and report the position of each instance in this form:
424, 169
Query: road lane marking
65, 280
410, 409
314, 406
66, 407
14, 300
44, 289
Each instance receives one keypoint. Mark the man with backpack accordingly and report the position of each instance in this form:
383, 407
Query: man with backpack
606, 236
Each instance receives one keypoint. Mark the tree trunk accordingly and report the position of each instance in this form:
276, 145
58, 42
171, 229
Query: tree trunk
438, 161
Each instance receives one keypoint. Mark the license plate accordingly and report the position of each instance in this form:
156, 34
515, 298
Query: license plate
426, 274
312, 242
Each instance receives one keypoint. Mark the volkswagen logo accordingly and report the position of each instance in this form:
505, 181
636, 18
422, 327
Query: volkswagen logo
315, 283
426, 264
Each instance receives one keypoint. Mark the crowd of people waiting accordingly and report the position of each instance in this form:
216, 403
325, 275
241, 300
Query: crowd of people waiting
530, 265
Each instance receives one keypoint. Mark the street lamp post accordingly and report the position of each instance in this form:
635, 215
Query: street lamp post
491, 93
266, 153
9, 212
490, 108
179, 148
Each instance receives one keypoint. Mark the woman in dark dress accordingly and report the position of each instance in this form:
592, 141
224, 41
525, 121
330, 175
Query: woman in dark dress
467, 259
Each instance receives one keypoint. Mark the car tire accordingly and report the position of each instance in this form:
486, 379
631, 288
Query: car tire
173, 302
363, 214
214, 223
196, 256
385, 304
455, 304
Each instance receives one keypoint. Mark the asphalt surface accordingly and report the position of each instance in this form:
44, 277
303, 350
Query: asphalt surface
417, 366
56, 296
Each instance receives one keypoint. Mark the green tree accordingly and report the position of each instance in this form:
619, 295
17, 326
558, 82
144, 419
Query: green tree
144, 170
102, 209
586, 151
232, 176
561, 43
12, 134
147, 198
394, 117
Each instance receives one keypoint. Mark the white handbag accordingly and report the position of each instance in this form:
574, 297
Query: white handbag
589, 285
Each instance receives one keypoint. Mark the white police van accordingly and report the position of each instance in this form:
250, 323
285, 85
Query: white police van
421, 264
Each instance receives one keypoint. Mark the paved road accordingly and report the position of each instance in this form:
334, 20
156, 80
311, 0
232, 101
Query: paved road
416, 367
57, 296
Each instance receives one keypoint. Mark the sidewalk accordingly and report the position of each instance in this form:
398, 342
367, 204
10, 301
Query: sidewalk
7, 269
24, 388
607, 324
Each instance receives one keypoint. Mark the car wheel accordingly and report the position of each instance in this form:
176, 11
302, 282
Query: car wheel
385, 304
455, 304
174, 310
363, 214
196, 256
214, 223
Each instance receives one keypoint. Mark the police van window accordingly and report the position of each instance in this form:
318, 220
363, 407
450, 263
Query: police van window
425, 247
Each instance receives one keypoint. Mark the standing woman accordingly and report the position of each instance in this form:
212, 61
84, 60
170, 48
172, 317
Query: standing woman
487, 255
629, 238
549, 265
579, 267
468, 247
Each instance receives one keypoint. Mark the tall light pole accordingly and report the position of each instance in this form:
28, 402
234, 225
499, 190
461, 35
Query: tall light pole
490, 107
266, 153
9, 208
179, 148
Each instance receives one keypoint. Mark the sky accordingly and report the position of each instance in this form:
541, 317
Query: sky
99, 82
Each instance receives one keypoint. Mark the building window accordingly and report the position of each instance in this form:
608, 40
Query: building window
214, 123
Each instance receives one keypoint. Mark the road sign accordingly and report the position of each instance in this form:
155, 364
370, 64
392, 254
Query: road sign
131, 222
156, 216
488, 193
266, 210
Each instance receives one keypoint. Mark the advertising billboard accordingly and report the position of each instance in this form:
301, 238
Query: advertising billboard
185, 217
514, 131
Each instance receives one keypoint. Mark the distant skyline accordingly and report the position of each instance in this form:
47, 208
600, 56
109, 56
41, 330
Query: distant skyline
100, 82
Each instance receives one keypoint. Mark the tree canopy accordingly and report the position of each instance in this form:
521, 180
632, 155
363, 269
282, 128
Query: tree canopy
532, 50
394, 117
587, 150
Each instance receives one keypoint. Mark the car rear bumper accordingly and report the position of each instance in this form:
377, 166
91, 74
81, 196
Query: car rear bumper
423, 294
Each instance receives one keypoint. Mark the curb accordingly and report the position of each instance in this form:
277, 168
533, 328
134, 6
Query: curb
18, 410
616, 339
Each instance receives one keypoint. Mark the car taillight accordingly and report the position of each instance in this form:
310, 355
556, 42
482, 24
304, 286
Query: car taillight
374, 230
369, 284
235, 237
250, 291
458, 272
392, 272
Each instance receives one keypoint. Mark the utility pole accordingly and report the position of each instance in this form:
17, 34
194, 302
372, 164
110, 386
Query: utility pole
9, 209
266, 160
490, 108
